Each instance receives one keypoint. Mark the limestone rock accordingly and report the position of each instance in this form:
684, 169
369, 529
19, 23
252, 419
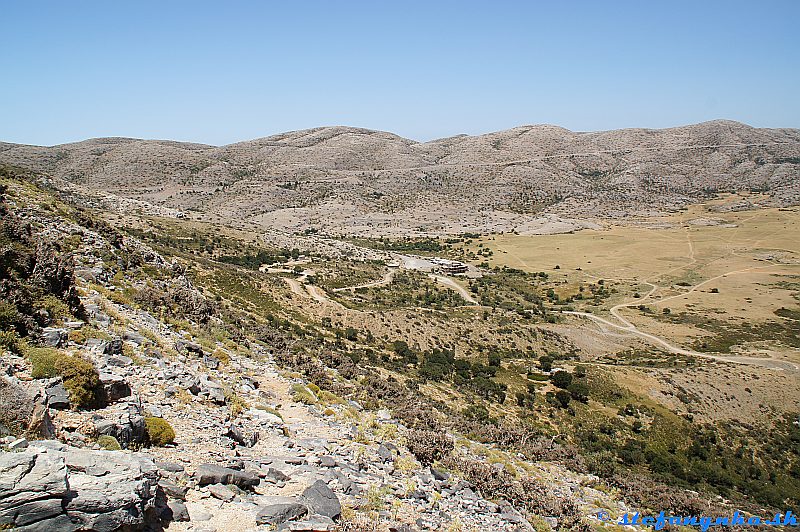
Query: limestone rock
274, 514
320, 499
50, 486
22, 411
114, 386
216, 474
52, 337
57, 396
221, 492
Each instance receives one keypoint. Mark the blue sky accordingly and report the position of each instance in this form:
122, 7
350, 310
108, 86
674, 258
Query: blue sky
219, 72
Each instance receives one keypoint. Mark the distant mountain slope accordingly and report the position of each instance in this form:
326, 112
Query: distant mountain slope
352, 180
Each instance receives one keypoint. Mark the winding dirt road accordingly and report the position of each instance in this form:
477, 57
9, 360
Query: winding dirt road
628, 327
386, 279
454, 286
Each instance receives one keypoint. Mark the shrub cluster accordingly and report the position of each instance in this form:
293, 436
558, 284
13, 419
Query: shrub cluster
527, 493
80, 376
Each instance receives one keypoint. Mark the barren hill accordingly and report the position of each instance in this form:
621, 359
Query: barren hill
356, 181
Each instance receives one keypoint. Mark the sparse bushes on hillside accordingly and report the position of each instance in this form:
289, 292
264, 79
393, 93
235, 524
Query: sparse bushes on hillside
178, 298
37, 284
526, 493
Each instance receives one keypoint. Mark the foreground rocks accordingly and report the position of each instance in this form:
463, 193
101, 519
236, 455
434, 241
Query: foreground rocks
23, 411
50, 486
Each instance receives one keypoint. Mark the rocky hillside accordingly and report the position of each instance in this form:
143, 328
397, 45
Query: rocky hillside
353, 181
155, 376
133, 400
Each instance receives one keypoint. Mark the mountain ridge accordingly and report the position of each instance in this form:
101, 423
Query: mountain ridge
719, 121
347, 181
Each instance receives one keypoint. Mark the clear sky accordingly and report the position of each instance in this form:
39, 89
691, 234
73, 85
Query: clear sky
219, 72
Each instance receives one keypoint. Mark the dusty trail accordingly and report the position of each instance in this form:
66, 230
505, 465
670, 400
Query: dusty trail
295, 286
386, 279
769, 363
455, 286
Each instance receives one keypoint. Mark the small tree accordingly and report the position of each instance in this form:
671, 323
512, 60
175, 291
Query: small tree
562, 379
563, 398
579, 391
350, 334
546, 363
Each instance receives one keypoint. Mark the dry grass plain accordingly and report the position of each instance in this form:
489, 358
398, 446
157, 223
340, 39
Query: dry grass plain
722, 284
737, 272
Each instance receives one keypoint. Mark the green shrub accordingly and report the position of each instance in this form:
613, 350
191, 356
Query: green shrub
235, 403
563, 397
109, 443
579, 391
11, 341
43, 362
10, 318
562, 379
159, 431
56, 309
546, 363
301, 394
81, 380
330, 398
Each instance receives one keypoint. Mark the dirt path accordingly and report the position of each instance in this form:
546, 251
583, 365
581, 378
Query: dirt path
295, 415
386, 279
319, 295
295, 287
455, 286
630, 328
769, 363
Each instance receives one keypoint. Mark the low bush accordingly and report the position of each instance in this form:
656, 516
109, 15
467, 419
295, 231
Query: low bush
301, 394
11, 341
43, 362
81, 380
159, 431
109, 443
428, 445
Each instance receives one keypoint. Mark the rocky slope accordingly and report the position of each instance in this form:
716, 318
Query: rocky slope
354, 181
128, 416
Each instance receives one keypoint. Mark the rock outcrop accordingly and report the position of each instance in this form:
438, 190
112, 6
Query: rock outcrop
50, 486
